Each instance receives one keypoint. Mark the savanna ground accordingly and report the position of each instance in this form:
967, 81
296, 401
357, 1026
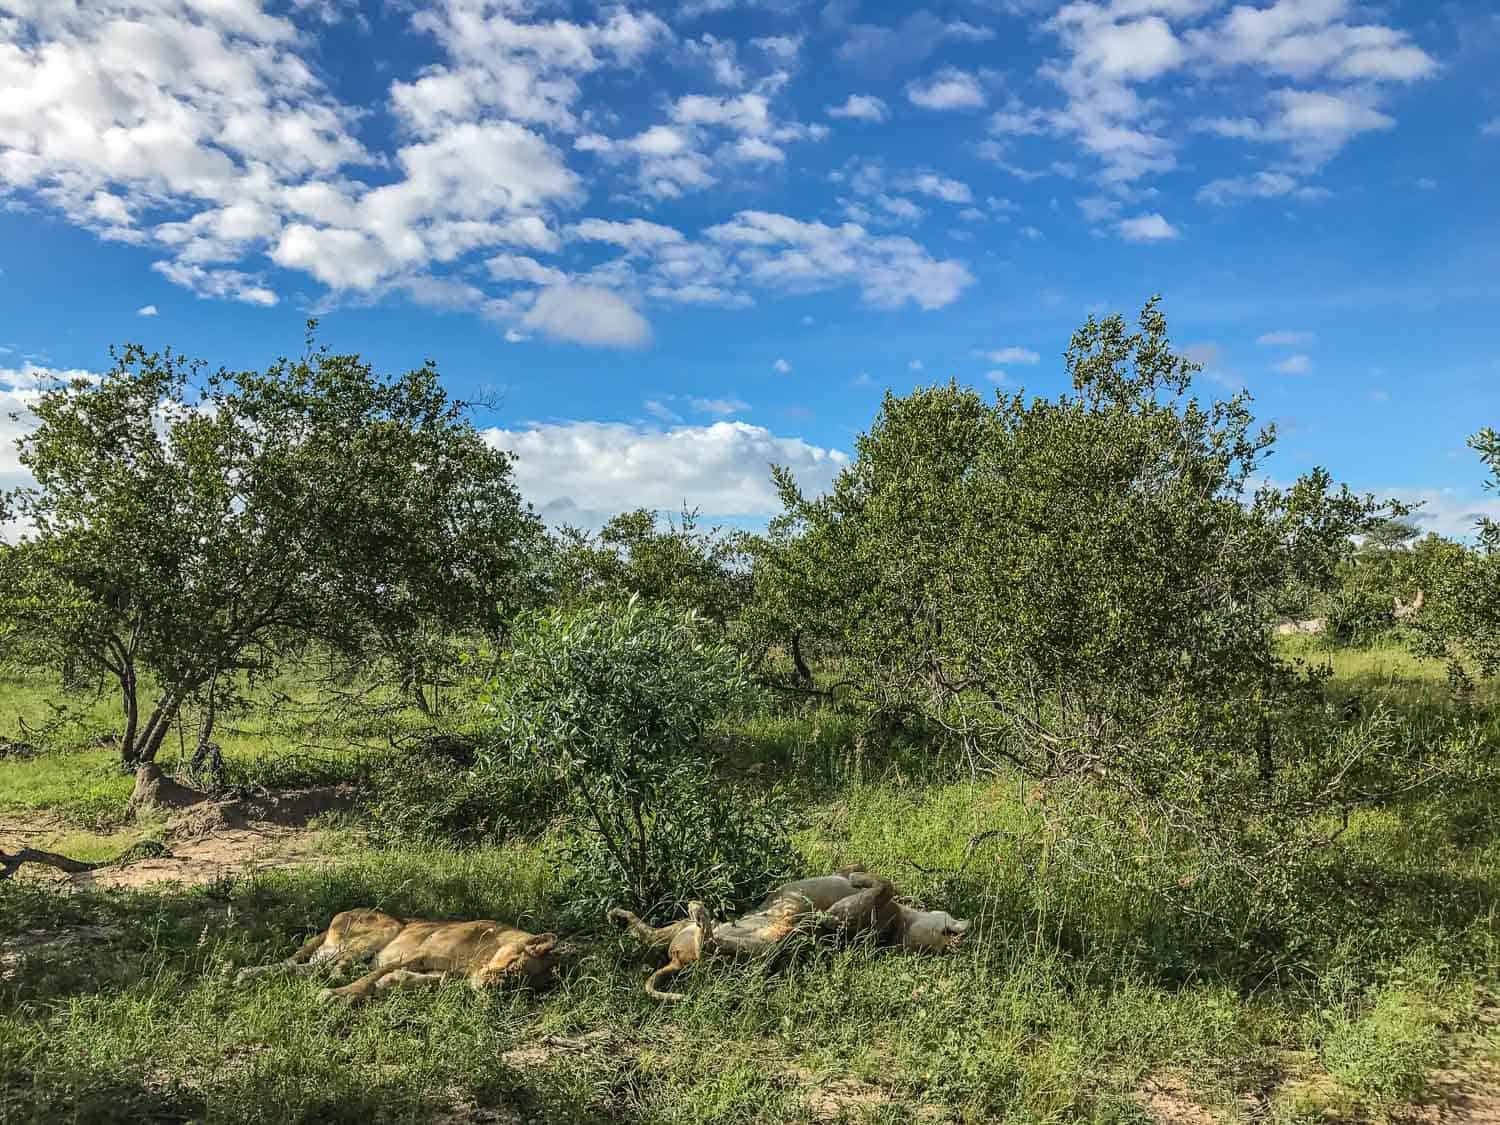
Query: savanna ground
1079, 999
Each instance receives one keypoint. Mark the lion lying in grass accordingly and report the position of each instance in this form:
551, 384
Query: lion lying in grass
408, 954
846, 903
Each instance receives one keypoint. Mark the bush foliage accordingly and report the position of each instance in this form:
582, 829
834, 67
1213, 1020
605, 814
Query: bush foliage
615, 704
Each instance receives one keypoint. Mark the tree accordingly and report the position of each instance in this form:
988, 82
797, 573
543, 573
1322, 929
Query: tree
186, 528
1076, 585
678, 566
1462, 621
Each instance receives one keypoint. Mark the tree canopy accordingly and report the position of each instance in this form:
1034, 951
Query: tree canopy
188, 526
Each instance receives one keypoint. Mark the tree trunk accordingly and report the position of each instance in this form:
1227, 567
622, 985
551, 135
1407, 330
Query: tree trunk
804, 673
156, 728
207, 755
129, 752
411, 685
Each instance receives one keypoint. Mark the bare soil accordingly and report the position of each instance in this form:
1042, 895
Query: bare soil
206, 842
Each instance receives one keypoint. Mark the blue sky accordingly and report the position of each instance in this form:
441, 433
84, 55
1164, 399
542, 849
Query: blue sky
676, 242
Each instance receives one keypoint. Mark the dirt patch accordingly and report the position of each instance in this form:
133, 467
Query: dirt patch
1455, 1097
295, 808
1169, 1101
550, 1047
206, 842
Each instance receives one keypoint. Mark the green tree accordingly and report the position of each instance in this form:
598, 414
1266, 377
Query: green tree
1053, 580
188, 527
678, 565
1461, 622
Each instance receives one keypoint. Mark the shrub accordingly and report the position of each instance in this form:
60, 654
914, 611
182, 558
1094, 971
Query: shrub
614, 703
419, 797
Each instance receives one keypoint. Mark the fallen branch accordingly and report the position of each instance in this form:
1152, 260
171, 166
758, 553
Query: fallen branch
11, 863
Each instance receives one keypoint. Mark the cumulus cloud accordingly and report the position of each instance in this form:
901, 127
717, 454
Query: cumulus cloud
722, 469
1298, 364
781, 367
948, 89
1446, 511
1147, 228
1260, 185
780, 252
586, 315
20, 387
704, 136
939, 187
1304, 39
861, 107
1112, 48
146, 310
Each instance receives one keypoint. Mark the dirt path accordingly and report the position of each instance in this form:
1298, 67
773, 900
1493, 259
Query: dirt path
204, 843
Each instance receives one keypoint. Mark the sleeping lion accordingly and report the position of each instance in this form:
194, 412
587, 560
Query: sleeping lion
848, 902
408, 954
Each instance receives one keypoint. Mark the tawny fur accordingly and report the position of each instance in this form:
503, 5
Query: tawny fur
847, 902
406, 954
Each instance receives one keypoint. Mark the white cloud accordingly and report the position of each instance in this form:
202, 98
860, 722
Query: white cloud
19, 390
721, 56
1261, 185
514, 337
1314, 124
1147, 228
722, 407
146, 310
780, 252
519, 267
783, 47
939, 187
1013, 355
722, 469
1298, 364
996, 376
782, 367
660, 411
861, 107
636, 235
1032, 233
691, 152
1303, 39
915, 365
1490, 128
197, 126
1446, 511
1285, 339
949, 88
587, 315
223, 284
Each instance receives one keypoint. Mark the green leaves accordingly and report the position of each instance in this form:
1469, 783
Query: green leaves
205, 525
615, 703
1079, 586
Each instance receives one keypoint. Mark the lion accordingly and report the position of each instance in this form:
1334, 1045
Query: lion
407, 954
851, 901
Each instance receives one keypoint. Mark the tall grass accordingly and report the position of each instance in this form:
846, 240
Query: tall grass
1074, 989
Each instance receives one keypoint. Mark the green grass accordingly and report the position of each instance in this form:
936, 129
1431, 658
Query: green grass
1073, 991
286, 740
